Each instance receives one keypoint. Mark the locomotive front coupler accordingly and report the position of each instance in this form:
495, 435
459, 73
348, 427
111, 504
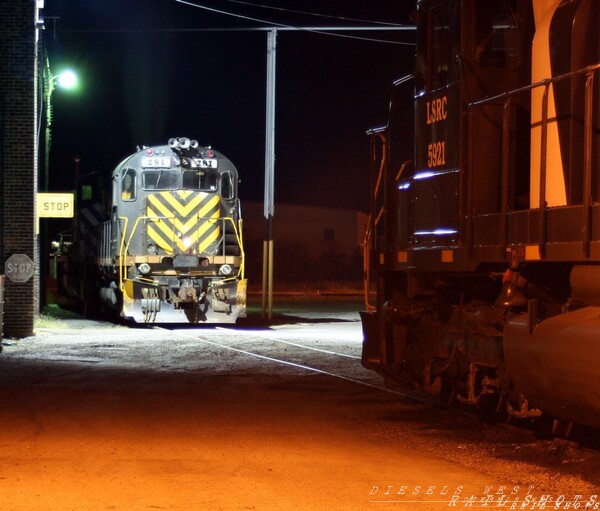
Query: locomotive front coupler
185, 291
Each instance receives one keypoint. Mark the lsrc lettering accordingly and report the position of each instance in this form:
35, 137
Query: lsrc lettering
437, 110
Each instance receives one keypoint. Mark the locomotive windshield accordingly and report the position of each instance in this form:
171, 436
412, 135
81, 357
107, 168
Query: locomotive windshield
160, 180
204, 180
197, 179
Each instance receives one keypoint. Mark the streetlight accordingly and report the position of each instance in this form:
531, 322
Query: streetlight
67, 80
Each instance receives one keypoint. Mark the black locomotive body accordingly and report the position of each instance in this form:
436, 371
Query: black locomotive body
484, 244
160, 240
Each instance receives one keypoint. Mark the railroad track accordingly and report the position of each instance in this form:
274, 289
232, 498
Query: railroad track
261, 345
276, 339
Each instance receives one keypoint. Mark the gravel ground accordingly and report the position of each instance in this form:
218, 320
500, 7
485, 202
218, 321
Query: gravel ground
75, 398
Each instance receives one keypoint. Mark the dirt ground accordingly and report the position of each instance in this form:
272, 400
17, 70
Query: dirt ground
104, 417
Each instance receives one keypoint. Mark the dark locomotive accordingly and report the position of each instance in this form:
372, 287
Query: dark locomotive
484, 243
161, 241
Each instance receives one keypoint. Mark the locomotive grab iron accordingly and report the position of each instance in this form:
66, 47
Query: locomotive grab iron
484, 244
161, 242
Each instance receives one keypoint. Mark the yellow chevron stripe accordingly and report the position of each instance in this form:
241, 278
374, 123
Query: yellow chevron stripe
154, 236
189, 208
202, 199
184, 194
190, 220
200, 220
162, 225
166, 238
204, 229
183, 243
154, 230
181, 208
164, 211
185, 224
214, 236
207, 225
210, 204
169, 226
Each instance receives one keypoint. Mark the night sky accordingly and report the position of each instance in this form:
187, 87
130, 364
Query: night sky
144, 79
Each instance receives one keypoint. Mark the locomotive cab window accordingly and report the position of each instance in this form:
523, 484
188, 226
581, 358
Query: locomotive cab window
497, 34
440, 49
199, 179
128, 182
437, 45
160, 180
227, 186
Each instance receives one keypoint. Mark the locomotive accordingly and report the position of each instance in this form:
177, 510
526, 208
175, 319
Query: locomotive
482, 260
161, 241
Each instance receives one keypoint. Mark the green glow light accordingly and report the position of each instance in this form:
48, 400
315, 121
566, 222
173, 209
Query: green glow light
67, 79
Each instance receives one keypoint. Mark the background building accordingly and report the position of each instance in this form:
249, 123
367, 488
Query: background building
314, 246
19, 125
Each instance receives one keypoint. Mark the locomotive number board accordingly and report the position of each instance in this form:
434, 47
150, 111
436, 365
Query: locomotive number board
204, 163
156, 162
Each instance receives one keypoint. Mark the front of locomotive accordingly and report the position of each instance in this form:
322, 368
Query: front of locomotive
180, 251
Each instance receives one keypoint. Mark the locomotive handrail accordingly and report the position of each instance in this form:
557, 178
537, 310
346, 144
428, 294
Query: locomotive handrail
240, 241
505, 177
587, 163
506, 98
379, 180
545, 82
373, 218
121, 246
543, 173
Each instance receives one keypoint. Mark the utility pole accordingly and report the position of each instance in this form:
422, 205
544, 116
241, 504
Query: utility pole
269, 203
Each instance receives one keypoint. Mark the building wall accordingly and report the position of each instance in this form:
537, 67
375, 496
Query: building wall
18, 157
317, 228
312, 245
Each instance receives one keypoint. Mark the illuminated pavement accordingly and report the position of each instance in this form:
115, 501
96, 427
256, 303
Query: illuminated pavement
96, 416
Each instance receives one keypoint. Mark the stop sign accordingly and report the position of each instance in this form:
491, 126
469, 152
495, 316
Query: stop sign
19, 268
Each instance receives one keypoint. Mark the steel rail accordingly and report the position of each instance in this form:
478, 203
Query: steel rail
272, 338
291, 364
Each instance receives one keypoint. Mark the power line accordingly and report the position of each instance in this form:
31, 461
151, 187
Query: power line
283, 9
317, 30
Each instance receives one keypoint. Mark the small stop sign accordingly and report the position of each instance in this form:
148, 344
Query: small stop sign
19, 268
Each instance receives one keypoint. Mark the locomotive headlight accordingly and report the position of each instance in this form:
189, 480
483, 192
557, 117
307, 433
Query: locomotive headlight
152, 249
144, 268
225, 269
187, 242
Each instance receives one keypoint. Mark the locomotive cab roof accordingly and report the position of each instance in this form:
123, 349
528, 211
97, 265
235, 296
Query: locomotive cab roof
178, 154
